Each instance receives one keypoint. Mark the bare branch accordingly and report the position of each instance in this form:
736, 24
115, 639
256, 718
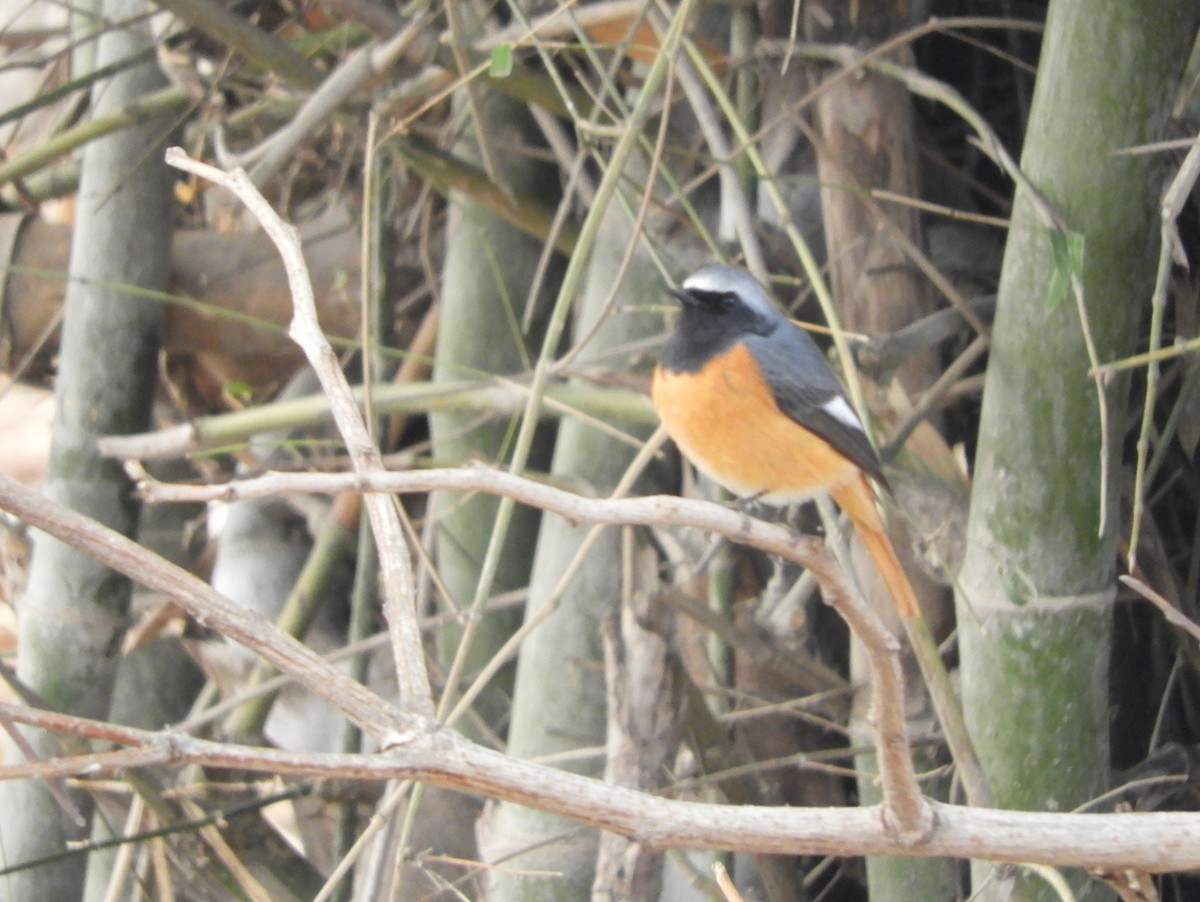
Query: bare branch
399, 605
422, 750
908, 812
209, 608
1170, 613
1149, 842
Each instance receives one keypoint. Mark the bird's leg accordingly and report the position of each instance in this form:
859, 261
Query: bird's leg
714, 546
742, 505
791, 586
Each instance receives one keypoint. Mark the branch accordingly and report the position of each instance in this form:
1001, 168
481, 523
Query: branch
209, 608
1170, 612
1149, 842
420, 749
906, 811
399, 594
593, 403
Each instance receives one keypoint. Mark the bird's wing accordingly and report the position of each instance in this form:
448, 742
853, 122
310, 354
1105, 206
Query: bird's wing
806, 390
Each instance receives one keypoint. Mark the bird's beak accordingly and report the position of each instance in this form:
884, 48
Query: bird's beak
680, 295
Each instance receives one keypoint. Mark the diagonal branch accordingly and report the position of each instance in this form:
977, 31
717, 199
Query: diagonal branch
399, 604
209, 608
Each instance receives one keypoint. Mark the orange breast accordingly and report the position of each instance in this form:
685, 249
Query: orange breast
725, 420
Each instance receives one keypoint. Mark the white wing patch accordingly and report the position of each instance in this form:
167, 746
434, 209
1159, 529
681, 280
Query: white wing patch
843, 412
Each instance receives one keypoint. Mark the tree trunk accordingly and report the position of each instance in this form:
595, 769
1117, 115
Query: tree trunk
1036, 588
73, 614
866, 130
156, 683
559, 701
488, 269
234, 278
868, 143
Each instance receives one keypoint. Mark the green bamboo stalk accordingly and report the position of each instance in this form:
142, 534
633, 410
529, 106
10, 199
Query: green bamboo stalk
333, 545
73, 611
1037, 584
576, 268
558, 701
256, 45
489, 266
135, 111
598, 405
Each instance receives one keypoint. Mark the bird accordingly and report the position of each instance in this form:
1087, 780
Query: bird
749, 398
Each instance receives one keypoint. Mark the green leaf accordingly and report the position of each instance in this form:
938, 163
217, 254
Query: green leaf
239, 390
502, 61
1068, 261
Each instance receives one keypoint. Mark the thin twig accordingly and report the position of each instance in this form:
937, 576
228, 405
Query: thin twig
929, 399
1172, 614
1170, 251
472, 93
734, 202
557, 321
335, 89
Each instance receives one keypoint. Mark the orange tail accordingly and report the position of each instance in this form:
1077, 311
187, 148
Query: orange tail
858, 501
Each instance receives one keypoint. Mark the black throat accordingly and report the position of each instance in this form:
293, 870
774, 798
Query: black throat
702, 332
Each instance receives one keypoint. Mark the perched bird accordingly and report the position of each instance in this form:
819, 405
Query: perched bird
751, 401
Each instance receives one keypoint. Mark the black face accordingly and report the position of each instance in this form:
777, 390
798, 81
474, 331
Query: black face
709, 322
714, 302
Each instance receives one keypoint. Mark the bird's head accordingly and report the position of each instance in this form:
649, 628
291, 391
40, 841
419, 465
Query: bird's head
726, 292
722, 306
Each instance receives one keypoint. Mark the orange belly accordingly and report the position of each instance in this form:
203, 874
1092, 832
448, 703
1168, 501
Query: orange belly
725, 420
